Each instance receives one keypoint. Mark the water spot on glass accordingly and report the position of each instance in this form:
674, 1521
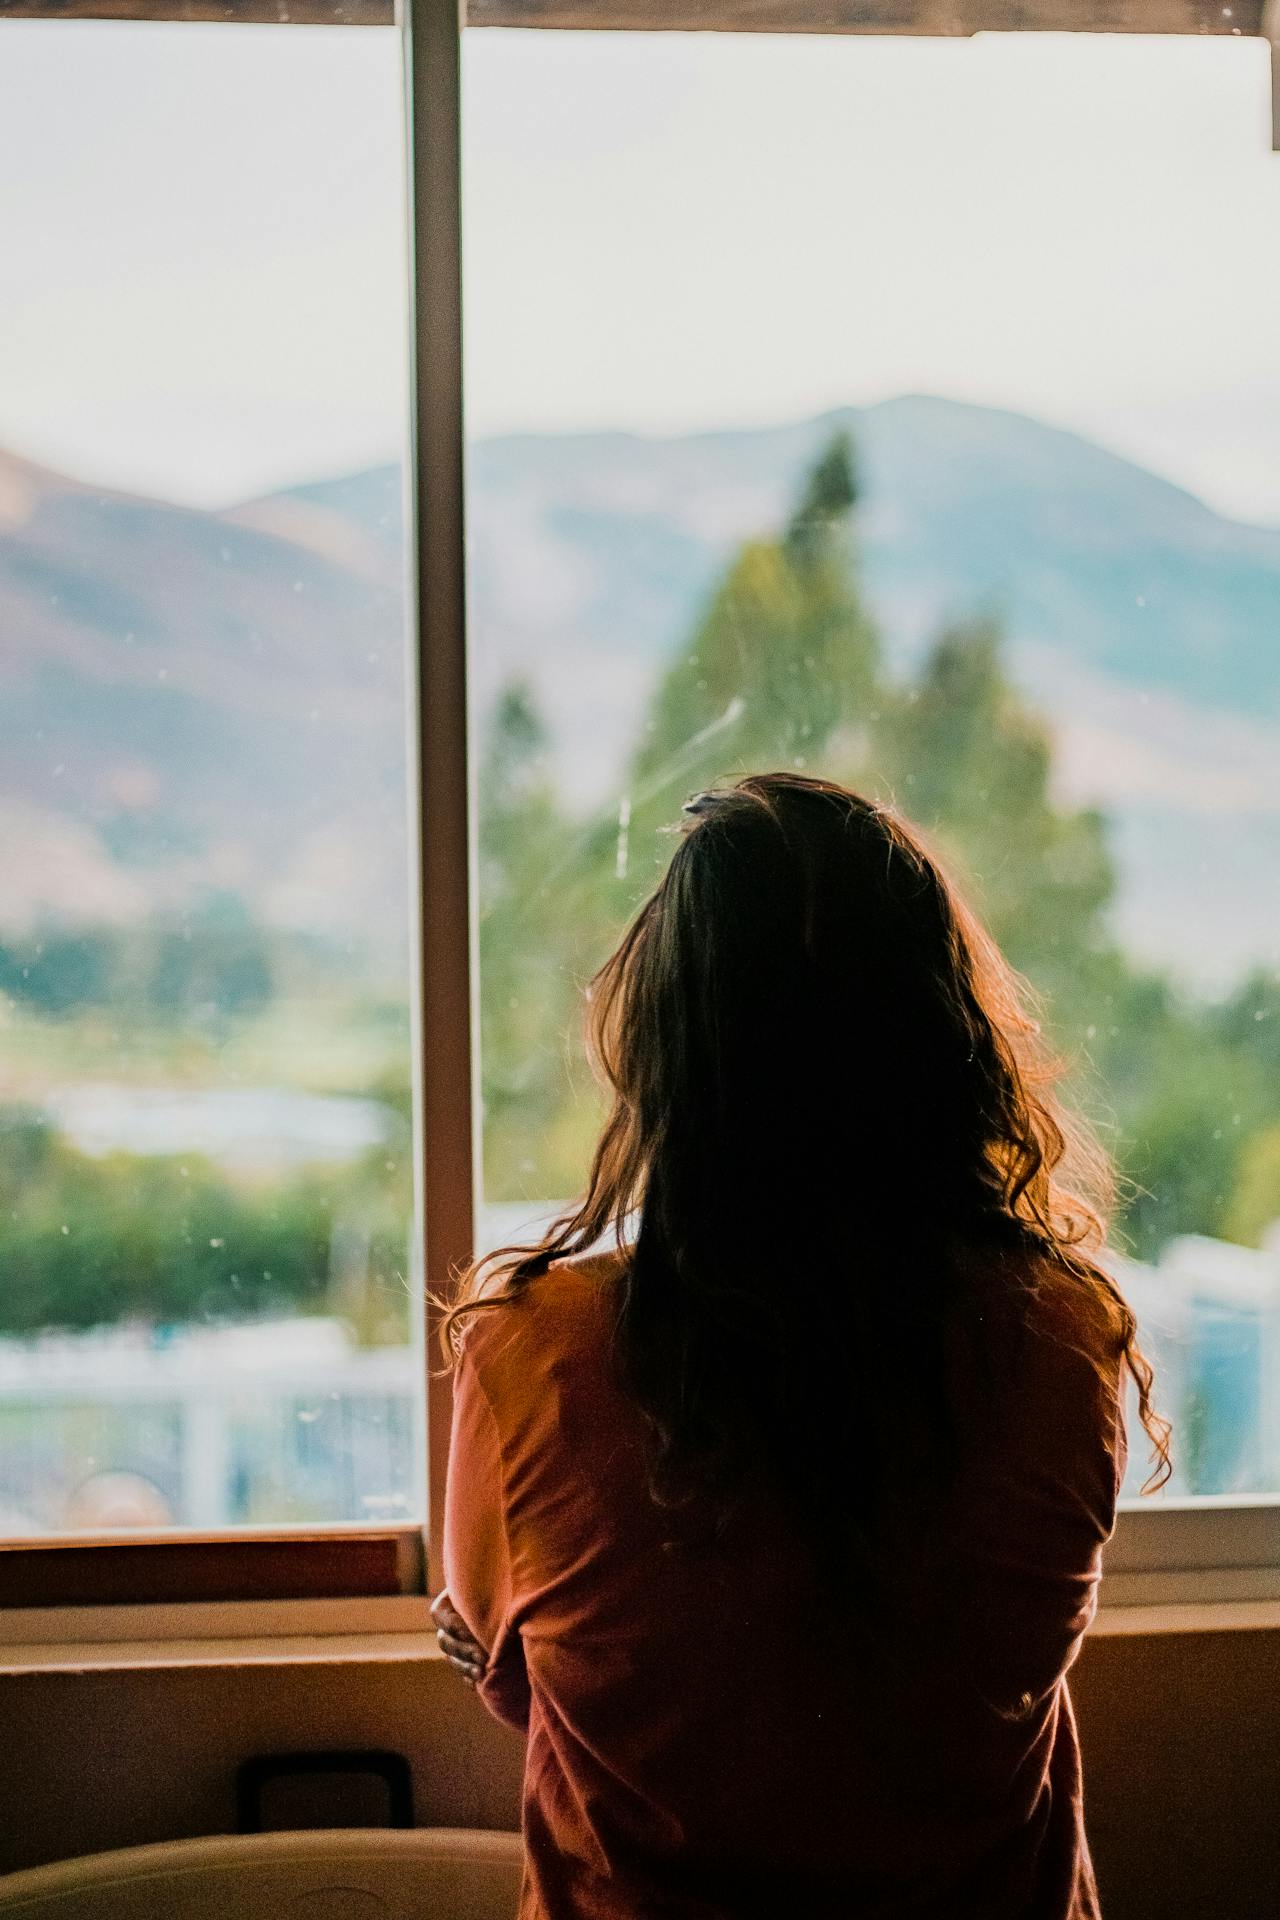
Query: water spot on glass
217, 1243
308, 1414
65, 1227
1091, 1033
1141, 600
297, 586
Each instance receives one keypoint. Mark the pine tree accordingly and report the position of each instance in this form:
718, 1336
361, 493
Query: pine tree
964, 756
780, 671
528, 963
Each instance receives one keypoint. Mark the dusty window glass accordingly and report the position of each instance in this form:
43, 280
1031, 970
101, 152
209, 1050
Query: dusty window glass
995, 318
207, 1267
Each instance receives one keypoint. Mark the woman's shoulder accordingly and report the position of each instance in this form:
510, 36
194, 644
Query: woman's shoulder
1045, 1310
1036, 1378
558, 1311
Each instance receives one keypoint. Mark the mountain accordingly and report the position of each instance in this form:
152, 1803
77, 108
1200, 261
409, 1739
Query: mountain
1144, 625
193, 701
184, 694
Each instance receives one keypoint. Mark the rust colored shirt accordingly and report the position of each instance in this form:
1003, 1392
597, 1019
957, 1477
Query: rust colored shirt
708, 1736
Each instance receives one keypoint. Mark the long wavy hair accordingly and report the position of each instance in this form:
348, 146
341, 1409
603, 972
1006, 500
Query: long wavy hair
826, 1087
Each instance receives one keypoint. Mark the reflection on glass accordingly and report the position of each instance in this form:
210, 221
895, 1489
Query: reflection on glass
207, 1266
1056, 661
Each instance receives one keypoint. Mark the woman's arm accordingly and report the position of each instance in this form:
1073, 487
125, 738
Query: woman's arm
1039, 1504
478, 1571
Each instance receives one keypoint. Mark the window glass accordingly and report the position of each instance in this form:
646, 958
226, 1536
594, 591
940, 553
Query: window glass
207, 1276
996, 316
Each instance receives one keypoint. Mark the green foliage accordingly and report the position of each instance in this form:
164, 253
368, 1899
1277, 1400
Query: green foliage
61, 972
781, 670
1255, 1200
531, 948
88, 1242
784, 669
216, 962
219, 960
964, 757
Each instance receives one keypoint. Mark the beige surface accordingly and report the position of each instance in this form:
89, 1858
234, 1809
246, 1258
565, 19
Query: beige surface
451, 1873
1180, 1732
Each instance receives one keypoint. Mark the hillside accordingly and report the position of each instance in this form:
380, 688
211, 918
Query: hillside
186, 694
193, 701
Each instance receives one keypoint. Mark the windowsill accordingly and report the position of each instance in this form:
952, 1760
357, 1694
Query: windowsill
1208, 1616
319, 1633
230, 1633
284, 1650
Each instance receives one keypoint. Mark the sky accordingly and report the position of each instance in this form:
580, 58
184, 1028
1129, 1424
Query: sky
201, 243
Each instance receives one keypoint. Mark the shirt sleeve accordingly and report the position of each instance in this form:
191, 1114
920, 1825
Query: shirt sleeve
477, 1558
1036, 1514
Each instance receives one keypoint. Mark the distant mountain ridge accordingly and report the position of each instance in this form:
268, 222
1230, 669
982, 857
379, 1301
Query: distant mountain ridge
238, 675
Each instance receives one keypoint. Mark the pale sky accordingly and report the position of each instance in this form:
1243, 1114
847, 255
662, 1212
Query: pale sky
201, 242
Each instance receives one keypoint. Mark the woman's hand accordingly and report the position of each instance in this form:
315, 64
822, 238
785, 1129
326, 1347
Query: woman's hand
457, 1643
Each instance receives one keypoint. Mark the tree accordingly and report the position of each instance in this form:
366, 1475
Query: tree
962, 755
780, 671
528, 948
783, 669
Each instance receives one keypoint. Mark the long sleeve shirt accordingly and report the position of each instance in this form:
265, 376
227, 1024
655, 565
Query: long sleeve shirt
709, 1737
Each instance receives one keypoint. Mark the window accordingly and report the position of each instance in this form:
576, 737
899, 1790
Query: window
1051, 509
209, 1291
995, 312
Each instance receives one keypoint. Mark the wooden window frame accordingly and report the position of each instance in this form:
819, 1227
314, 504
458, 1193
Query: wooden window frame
935, 18
361, 1563
1217, 1550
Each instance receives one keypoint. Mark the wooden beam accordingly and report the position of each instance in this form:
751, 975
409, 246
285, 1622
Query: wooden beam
298, 13
946, 18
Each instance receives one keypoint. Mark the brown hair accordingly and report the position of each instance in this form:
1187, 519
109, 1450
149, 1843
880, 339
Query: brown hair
825, 1085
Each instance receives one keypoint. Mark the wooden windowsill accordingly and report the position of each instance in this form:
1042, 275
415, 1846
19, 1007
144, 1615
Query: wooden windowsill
401, 1631
141, 1656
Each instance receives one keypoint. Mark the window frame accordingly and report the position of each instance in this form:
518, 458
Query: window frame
931, 18
174, 1572
1196, 1552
